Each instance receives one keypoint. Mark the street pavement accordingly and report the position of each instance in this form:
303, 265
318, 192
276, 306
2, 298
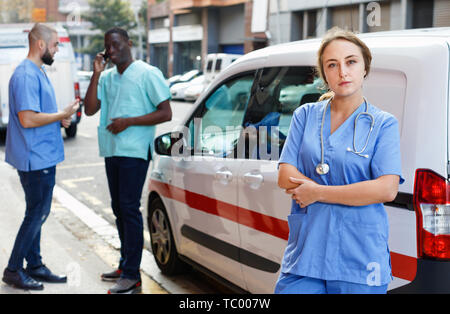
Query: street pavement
81, 255
79, 237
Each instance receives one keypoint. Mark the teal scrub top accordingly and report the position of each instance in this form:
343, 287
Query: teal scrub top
333, 241
136, 92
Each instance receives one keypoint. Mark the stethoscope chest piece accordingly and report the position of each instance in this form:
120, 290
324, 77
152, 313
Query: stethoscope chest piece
322, 168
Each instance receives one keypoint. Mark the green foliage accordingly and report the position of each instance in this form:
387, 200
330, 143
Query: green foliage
15, 11
105, 14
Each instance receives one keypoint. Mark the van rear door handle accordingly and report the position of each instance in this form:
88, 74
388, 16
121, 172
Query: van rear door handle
253, 179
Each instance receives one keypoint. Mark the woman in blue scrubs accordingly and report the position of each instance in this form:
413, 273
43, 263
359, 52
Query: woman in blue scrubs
339, 173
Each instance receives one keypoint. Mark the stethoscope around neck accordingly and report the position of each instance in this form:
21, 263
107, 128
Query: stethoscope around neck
323, 168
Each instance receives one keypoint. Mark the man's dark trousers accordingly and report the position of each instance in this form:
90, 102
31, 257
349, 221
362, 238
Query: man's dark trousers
126, 178
38, 187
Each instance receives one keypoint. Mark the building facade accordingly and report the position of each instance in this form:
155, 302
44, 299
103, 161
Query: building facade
81, 32
183, 32
302, 19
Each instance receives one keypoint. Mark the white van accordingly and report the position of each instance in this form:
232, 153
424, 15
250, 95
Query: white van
215, 63
62, 73
221, 210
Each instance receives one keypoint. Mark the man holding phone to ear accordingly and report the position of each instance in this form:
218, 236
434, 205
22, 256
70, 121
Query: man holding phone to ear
34, 146
132, 98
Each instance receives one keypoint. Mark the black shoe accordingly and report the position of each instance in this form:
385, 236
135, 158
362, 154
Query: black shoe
126, 286
19, 279
44, 274
112, 276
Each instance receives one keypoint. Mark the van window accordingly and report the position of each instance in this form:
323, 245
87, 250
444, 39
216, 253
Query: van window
13, 48
278, 91
216, 125
13, 40
218, 65
12, 54
209, 66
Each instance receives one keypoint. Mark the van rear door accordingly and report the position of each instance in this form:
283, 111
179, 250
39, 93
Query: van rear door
62, 73
5, 74
13, 49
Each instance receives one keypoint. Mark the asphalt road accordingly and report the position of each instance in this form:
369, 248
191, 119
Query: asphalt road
82, 175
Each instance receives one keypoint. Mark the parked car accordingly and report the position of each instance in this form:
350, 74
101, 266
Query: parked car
62, 73
172, 80
194, 90
178, 90
291, 95
186, 77
213, 197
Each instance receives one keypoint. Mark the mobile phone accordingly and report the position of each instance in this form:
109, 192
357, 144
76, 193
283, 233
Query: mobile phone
105, 56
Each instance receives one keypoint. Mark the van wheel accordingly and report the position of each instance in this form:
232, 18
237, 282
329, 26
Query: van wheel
71, 131
162, 241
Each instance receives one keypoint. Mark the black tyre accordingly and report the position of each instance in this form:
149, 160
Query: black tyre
71, 131
162, 241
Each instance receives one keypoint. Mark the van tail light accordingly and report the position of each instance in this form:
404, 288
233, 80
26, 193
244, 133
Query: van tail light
77, 96
64, 39
432, 206
77, 91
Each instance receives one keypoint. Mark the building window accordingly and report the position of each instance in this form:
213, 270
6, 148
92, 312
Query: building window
441, 13
422, 13
193, 18
186, 56
346, 17
159, 55
158, 22
312, 24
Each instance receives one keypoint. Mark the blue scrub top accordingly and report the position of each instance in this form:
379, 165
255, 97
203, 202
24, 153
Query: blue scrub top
332, 241
136, 92
29, 149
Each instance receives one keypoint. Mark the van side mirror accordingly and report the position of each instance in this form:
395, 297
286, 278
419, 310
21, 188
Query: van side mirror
169, 143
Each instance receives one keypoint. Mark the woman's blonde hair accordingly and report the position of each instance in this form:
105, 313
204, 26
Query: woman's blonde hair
339, 33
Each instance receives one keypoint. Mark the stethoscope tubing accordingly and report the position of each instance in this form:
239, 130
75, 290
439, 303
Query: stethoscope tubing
354, 150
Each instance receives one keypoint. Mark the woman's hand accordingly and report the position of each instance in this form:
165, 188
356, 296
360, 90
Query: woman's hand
381, 190
306, 193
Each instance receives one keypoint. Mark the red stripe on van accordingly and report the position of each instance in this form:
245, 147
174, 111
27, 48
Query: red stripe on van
196, 201
64, 39
403, 266
267, 224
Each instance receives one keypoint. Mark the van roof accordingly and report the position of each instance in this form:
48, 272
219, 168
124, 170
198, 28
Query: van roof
436, 32
443, 32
